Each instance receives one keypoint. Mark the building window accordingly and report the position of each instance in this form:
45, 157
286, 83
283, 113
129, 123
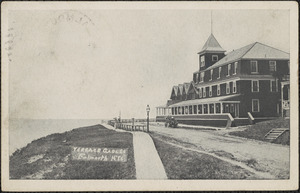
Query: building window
195, 109
190, 110
211, 108
211, 74
205, 110
235, 67
210, 91
204, 92
254, 67
202, 61
179, 110
214, 58
231, 108
272, 66
273, 86
218, 110
199, 109
200, 92
228, 69
218, 89
234, 86
186, 110
182, 110
255, 105
201, 76
220, 69
255, 86
175, 110
196, 78
227, 88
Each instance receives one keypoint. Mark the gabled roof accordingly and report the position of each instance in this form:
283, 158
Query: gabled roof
175, 89
252, 51
212, 45
180, 89
187, 87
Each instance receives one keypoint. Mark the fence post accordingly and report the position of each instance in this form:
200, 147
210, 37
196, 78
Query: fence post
132, 124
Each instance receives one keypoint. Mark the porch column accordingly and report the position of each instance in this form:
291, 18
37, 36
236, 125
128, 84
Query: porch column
221, 108
208, 111
215, 108
282, 85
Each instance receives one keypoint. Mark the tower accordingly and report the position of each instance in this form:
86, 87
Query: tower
211, 53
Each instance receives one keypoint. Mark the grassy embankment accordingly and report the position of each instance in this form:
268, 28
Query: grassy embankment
180, 163
259, 130
50, 157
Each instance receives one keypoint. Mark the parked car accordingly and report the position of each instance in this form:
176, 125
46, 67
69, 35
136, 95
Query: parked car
171, 122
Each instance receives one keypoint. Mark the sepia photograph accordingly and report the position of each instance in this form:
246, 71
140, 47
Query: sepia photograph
149, 96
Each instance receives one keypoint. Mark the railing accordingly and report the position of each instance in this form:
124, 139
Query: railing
127, 127
137, 120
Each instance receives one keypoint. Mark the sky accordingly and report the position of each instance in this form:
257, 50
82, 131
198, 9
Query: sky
111, 61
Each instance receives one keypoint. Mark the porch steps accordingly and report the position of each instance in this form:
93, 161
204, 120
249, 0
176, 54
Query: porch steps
275, 133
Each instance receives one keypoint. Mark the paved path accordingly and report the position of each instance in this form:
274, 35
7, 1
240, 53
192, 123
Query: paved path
147, 161
266, 157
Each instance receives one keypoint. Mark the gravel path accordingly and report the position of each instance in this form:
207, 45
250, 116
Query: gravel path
261, 156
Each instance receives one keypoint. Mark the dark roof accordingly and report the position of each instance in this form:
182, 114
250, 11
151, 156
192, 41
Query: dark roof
175, 88
207, 100
252, 51
180, 89
212, 45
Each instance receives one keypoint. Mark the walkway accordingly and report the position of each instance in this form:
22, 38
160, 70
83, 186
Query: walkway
147, 161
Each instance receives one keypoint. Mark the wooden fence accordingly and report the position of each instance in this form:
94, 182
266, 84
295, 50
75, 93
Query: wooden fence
128, 127
137, 120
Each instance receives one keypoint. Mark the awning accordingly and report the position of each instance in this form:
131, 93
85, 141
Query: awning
207, 100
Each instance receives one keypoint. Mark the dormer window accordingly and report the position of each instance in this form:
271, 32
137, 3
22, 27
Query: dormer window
214, 58
211, 74
202, 61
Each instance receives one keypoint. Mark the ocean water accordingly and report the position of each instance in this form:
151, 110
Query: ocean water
24, 131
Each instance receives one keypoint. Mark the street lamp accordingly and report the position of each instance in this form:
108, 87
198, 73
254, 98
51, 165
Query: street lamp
148, 110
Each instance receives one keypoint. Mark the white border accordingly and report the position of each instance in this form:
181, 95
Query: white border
125, 185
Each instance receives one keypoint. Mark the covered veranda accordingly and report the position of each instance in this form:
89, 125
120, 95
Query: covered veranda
215, 105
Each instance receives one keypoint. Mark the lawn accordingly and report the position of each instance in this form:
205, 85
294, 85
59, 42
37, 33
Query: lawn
184, 164
259, 130
50, 157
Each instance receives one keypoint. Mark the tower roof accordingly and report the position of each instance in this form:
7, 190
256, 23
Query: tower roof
212, 45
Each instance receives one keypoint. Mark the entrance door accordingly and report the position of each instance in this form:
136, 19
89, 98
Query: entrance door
232, 109
237, 110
